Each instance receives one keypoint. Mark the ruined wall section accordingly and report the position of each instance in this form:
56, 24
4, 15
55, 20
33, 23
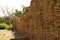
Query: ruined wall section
42, 22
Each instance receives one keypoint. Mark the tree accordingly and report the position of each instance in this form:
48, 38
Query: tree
2, 20
7, 14
6, 10
16, 13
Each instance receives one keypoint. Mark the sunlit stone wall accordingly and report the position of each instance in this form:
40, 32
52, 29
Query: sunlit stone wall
41, 21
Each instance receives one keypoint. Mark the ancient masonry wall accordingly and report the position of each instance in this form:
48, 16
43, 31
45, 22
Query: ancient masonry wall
41, 21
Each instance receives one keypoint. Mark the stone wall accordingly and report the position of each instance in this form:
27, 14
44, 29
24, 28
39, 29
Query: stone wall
42, 21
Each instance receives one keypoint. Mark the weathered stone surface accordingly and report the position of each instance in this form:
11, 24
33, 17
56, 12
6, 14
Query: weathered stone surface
41, 21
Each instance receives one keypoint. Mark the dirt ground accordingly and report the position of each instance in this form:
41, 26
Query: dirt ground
6, 34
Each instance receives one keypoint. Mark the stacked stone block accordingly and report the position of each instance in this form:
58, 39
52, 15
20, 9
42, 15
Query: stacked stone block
42, 22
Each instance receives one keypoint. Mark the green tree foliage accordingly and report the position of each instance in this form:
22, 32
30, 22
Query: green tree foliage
5, 19
2, 19
16, 13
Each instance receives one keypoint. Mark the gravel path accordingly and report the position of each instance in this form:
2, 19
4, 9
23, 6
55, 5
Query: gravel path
6, 34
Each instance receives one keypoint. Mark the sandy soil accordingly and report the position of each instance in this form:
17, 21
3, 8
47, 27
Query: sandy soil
6, 35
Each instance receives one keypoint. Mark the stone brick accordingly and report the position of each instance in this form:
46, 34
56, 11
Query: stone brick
41, 21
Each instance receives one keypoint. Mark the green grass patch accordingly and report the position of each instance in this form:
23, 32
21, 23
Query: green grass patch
5, 26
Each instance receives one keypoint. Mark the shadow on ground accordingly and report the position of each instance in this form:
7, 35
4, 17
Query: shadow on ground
19, 36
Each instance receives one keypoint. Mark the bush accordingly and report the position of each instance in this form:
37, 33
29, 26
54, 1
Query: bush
5, 26
9, 27
2, 25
